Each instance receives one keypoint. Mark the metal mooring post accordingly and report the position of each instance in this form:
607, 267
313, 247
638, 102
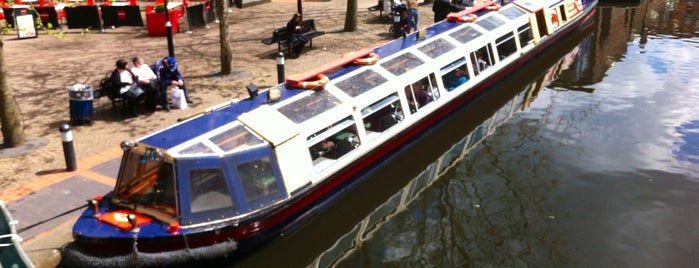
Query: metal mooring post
68, 150
280, 67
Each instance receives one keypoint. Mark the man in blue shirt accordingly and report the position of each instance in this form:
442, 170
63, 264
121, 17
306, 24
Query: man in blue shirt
458, 78
170, 76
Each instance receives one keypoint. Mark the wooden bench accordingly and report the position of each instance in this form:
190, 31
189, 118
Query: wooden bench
280, 36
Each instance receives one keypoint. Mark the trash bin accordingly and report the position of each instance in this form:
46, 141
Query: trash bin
80, 97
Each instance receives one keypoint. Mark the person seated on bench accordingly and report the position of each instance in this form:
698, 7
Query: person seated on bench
149, 82
296, 38
125, 81
170, 77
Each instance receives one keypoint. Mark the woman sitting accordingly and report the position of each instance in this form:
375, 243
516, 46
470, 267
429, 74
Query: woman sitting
126, 83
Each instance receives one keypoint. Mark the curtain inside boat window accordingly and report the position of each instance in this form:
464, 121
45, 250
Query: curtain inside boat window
421, 93
466, 34
208, 190
146, 182
490, 22
403, 63
361, 82
309, 106
506, 45
455, 74
511, 12
236, 138
436, 48
382, 115
525, 35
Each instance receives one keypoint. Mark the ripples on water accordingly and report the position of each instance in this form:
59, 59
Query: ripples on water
599, 168
589, 175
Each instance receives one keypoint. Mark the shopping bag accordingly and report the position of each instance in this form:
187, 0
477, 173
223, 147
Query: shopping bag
178, 99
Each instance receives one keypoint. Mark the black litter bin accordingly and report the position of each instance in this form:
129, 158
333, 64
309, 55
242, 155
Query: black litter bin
80, 97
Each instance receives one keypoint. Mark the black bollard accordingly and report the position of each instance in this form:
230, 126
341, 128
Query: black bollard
68, 151
280, 67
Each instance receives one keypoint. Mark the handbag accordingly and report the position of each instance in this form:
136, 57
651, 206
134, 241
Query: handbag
134, 91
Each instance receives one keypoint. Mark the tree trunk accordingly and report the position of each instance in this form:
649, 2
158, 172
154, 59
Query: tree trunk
226, 54
351, 16
10, 119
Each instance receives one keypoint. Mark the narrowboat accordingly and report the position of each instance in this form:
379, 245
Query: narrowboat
241, 173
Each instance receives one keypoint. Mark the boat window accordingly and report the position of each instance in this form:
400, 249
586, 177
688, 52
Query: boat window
147, 183
454, 74
436, 48
402, 64
333, 142
310, 106
197, 148
466, 34
541, 21
361, 82
506, 45
258, 180
236, 138
512, 12
554, 18
525, 35
481, 59
421, 93
561, 10
382, 115
490, 23
208, 190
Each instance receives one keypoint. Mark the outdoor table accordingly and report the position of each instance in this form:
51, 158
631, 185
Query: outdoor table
121, 14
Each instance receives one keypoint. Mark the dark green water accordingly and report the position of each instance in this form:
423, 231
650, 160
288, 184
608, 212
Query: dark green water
591, 159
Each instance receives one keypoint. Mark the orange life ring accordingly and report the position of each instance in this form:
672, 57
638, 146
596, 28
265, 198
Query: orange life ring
469, 18
494, 7
370, 60
315, 84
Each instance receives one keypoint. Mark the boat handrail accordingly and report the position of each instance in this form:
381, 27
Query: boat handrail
344, 60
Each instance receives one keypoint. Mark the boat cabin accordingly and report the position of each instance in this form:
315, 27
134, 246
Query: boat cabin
248, 156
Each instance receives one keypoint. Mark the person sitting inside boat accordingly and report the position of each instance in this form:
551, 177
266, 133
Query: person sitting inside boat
296, 38
455, 79
322, 148
419, 96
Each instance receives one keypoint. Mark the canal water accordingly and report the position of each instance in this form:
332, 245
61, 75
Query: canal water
587, 158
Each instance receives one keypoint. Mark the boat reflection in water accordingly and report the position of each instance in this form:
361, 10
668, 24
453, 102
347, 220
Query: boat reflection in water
399, 202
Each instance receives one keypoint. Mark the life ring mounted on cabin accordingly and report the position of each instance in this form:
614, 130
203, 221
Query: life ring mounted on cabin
468, 18
369, 60
321, 81
494, 7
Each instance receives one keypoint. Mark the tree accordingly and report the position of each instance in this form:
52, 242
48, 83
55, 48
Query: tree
10, 123
351, 16
226, 54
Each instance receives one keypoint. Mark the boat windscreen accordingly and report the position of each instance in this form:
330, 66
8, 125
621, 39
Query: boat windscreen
147, 182
361, 82
402, 64
436, 48
490, 23
235, 138
309, 106
466, 34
